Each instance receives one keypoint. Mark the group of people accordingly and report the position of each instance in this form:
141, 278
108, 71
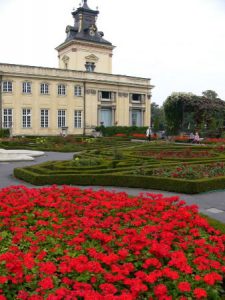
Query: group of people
193, 138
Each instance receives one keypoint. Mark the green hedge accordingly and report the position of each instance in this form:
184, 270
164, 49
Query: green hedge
148, 182
128, 130
4, 133
120, 165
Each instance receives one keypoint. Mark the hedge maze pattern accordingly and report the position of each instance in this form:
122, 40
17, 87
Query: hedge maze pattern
129, 164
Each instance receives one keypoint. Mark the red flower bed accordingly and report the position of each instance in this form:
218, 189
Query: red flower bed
214, 140
185, 153
65, 243
138, 135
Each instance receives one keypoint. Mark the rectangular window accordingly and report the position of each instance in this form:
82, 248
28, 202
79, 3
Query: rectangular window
136, 119
136, 98
105, 96
27, 87
77, 119
26, 118
44, 88
44, 118
77, 90
7, 118
7, 86
61, 118
106, 117
61, 89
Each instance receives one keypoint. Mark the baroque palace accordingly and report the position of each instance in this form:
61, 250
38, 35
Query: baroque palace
79, 95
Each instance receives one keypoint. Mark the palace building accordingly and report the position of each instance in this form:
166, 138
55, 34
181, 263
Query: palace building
80, 94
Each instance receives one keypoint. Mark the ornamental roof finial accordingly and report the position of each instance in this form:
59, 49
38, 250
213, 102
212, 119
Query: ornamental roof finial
85, 4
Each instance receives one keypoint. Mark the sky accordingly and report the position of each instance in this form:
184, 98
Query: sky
179, 44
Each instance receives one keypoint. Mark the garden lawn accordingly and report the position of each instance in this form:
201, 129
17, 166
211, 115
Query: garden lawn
67, 243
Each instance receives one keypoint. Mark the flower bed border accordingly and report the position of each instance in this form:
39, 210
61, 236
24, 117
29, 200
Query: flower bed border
147, 182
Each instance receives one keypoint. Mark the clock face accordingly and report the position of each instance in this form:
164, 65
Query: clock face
91, 32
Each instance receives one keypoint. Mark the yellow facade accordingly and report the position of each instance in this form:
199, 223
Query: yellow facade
78, 96
89, 103
75, 54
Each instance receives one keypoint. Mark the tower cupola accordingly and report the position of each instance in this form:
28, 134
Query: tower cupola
85, 48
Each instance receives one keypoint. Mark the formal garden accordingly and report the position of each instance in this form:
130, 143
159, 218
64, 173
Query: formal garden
119, 161
66, 243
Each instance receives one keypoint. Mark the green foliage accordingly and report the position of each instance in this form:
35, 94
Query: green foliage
132, 166
187, 112
157, 117
80, 162
110, 131
4, 133
59, 143
210, 94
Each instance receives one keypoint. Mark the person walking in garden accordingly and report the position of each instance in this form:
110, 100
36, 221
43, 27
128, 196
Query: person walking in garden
149, 133
196, 138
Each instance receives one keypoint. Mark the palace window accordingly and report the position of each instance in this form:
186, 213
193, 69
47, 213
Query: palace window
136, 117
77, 119
106, 96
136, 98
7, 118
44, 118
61, 89
27, 87
7, 86
26, 118
78, 90
106, 117
44, 88
61, 118
90, 66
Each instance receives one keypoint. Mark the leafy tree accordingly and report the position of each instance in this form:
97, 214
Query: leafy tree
157, 117
174, 107
210, 94
184, 111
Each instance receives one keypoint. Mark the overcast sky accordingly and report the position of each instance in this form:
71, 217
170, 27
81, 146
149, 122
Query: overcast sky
179, 44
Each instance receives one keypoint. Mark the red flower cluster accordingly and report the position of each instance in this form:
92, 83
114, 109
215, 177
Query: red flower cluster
214, 140
65, 243
138, 135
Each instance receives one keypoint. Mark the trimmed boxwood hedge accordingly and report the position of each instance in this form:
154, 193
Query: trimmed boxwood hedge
147, 182
125, 172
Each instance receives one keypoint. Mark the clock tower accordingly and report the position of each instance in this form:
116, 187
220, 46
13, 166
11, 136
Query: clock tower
85, 49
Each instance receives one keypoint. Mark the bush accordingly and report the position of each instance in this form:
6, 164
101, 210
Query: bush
132, 167
114, 130
4, 133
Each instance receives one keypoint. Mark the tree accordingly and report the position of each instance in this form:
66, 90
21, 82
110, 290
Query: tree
185, 111
210, 94
157, 117
175, 107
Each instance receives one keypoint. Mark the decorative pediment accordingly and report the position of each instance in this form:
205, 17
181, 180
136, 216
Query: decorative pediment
92, 58
65, 58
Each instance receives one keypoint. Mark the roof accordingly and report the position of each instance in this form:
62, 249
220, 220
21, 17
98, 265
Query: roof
85, 19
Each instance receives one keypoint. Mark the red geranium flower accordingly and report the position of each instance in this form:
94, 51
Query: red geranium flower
200, 293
